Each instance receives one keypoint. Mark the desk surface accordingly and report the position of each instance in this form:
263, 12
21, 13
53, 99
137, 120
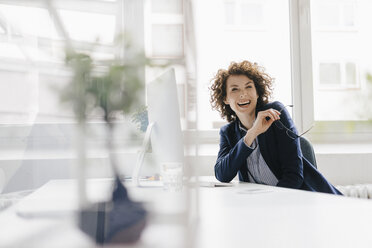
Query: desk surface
242, 215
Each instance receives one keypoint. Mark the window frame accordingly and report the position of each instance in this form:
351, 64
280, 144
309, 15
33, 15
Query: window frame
303, 83
303, 90
56, 67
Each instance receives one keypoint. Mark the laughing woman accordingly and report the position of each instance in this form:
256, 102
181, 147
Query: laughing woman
260, 142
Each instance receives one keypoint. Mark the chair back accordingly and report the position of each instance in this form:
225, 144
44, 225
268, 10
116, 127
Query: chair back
308, 151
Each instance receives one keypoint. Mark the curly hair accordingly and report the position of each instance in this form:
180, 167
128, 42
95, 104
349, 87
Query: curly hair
262, 81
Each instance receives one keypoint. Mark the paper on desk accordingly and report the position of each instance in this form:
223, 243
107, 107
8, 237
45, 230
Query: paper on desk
254, 191
214, 184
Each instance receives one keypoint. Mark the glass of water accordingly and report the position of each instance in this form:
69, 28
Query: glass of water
172, 176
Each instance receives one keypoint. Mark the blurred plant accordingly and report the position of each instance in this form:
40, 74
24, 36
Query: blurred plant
363, 99
369, 78
140, 118
366, 110
114, 88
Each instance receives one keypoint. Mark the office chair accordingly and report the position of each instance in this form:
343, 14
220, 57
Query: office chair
308, 151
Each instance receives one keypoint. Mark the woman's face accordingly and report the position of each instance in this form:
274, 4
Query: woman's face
241, 95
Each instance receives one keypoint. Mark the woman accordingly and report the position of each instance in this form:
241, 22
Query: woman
260, 142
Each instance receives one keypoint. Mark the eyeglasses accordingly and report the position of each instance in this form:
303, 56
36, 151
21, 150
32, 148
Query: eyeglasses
288, 131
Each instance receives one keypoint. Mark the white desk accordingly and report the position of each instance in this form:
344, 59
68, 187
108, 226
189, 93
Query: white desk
245, 215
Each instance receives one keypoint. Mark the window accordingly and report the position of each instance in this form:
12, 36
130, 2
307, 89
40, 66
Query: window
337, 75
217, 46
329, 73
334, 60
32, 52
24, 20
164, 29
167, 6
167, 40
244, 14
335, 15
341, 54
88, 26
37, 131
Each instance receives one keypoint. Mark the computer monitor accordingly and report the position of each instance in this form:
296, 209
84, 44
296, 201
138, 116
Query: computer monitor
164, 128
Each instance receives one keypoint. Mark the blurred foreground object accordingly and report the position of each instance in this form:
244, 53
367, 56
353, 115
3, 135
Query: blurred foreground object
112, 88
118, 221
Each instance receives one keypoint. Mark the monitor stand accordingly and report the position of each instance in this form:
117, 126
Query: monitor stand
141, 155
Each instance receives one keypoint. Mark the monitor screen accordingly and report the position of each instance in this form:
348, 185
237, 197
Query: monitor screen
164, 128
163, 111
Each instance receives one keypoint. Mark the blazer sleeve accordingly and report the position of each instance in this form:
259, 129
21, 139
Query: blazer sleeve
230, 159
290, 154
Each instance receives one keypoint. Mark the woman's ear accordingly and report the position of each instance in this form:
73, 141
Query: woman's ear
225, 102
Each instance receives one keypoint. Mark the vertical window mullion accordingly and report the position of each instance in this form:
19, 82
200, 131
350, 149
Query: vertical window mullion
301, 63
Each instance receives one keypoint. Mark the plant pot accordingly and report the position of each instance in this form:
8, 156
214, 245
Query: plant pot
118, 221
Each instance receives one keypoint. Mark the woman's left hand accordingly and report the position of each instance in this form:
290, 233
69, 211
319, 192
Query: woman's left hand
264, 120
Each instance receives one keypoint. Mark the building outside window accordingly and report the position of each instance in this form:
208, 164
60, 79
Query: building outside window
244, 14
341, 53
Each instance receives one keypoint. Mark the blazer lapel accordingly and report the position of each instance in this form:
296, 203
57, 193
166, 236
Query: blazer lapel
238, 134
263, 146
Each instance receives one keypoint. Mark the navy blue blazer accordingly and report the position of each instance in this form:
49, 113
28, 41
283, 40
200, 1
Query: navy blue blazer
282, 155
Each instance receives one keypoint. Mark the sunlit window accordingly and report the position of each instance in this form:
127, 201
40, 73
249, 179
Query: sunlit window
89, 27
167, 6
341, 58
329, 73
335, 14
251, 14
23, 20
350, 74
218, 46
167, 40
339, 74
8, 50
244, 14
229, 13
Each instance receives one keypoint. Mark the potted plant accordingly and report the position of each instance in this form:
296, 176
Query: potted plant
115, 89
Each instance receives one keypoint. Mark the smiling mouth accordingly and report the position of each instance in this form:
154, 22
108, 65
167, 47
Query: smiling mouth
245, 103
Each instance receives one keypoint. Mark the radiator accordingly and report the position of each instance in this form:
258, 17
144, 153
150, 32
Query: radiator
357, 190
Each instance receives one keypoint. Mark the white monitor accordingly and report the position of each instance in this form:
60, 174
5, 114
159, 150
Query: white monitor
164, 123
